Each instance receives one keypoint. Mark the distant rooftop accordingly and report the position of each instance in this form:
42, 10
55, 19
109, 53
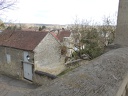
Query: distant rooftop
62, 34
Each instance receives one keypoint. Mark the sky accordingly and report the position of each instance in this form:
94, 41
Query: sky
60, 11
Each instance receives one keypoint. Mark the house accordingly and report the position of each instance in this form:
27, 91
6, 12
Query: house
24, 52
65, 37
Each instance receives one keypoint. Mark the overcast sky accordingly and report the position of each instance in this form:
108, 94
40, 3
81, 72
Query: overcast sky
60, 11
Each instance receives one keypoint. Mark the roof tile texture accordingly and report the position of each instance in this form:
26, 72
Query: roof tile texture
25, 40
63, 34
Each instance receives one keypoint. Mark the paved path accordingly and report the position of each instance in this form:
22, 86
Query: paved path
13, 87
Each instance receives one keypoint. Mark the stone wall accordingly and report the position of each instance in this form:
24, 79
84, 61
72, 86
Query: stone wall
103, 76
14, 67
41, 79
121, 37
48, 56
123, 89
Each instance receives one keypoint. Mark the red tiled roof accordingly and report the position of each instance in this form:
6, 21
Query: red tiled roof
25, 40
54, 35
63, 34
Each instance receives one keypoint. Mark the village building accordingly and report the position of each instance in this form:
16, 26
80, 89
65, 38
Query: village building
24, 53
65, 37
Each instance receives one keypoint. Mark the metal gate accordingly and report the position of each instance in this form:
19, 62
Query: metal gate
27, 71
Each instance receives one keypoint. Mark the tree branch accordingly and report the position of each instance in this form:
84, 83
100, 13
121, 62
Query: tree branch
6, 4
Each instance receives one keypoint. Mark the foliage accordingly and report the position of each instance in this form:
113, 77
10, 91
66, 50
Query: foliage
93, 50
75, 55
63, 50
108, 30
2, 26
13, 27
42, 28
6, 4
93, 44
88, 36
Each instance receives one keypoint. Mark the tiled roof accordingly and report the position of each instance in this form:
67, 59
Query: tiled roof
63, 34
54, 35
25, 40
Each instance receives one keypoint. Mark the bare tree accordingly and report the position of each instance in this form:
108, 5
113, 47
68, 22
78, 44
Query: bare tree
88, 42
7, 4
108, 29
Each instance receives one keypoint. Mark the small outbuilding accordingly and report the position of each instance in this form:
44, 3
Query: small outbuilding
24, 52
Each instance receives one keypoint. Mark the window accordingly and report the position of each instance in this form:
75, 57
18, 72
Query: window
8, 56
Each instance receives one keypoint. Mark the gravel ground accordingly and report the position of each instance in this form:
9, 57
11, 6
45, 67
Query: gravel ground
100, 77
